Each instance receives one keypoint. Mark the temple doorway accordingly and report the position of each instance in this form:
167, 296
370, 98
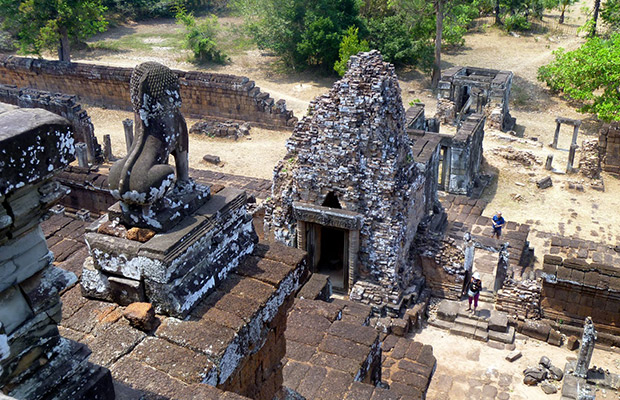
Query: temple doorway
332, 258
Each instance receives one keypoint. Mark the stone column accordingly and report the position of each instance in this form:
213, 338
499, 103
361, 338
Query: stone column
587, 347
301, 235
571, 158
107, 148
575, 133
556, 135
128, 126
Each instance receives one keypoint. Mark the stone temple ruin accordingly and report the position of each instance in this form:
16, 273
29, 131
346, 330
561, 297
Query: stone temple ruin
180, 293
467, 90
348, 191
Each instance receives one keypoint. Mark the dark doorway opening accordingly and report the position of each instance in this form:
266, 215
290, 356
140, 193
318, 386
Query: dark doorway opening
333, 256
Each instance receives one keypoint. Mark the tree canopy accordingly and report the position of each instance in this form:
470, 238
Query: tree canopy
50, 24
590, 75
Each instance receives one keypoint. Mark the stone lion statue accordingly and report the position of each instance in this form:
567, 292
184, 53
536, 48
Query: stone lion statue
144, 176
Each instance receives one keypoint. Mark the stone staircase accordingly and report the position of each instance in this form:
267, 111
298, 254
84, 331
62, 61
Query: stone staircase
486, 325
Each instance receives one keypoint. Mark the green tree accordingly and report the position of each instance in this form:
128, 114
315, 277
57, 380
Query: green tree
349, 46
589, 75
302, 32
200, 37
49, 24
610, 14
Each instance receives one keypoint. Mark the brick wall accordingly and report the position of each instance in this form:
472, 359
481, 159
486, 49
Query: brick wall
204, 94
609, 147
574, 289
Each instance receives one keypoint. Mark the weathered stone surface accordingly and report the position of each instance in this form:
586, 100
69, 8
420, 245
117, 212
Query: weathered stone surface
448, 310
141, 316
498, 321
536, 329
534, 375
572, 343
555, 338
140, 234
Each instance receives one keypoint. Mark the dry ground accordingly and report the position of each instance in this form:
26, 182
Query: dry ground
556, 209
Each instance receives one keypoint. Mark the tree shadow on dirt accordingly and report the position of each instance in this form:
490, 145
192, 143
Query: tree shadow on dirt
491, 189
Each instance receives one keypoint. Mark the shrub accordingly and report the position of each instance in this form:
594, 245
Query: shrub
350, 45
200, 37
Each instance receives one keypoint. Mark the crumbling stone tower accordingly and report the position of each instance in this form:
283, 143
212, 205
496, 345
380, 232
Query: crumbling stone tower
348, 190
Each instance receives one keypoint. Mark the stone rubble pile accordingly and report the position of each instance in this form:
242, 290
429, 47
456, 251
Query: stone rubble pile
545, 374
226, 129
523, 157
519, 299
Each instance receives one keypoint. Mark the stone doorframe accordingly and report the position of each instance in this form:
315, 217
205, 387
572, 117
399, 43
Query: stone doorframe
306, 213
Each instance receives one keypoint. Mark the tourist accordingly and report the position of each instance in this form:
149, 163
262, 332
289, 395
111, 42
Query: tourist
473, 290
498, 224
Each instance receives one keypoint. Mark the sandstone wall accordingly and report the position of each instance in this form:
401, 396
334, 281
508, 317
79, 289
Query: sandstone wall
203, 94
609, 147
574, 289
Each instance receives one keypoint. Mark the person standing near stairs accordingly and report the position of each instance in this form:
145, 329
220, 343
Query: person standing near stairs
473, 290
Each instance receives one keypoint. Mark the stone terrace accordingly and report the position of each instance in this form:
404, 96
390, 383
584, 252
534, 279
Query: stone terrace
173, 359
333, 354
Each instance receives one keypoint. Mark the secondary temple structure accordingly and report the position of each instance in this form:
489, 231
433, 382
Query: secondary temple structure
467, 90
35, 361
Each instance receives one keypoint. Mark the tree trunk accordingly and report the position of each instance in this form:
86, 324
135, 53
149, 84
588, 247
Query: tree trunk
561, 21
63, 46
436, 76
498, 21
597, 6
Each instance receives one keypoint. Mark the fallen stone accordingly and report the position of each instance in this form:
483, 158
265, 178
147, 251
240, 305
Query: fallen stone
211, 159
498, 322
534, 375
142, 235
555, 338
544, 183
555, 373
545, 361
572, 343
141, 316
384, 325
536, 329
513, 355
548, 388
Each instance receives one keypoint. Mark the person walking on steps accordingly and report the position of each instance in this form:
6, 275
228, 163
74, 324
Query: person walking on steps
473, 290
498, 224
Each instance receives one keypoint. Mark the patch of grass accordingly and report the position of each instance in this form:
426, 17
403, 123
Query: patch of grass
141, 41
234, 39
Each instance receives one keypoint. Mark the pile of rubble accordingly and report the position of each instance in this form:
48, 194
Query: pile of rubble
226, 129
590, 162
545, 373
523, 157
519, 299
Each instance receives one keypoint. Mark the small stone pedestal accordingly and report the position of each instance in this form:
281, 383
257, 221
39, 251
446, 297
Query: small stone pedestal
174, 269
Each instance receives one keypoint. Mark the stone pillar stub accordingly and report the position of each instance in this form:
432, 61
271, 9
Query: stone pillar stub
549, 162
107, 148
571, 158
586, 349
82, 154
128, 126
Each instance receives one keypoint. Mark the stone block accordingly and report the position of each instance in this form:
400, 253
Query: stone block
555, 338
400, 326
448, 310
536, 329
463, 330
544, 183
141, 316
498, 321
503, 337
126, 291
15, 309
23, 257
572, 343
